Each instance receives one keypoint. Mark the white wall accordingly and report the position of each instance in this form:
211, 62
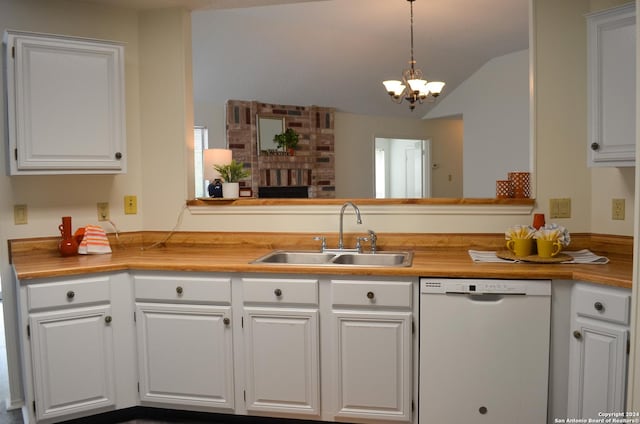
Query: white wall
494, 103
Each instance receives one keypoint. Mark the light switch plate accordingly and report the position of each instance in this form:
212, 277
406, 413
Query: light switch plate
560, 208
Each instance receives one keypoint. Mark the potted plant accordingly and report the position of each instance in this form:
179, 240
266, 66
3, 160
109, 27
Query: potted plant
287, 140
231, 174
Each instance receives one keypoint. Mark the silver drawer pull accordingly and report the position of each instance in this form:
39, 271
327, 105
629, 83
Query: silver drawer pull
599, 306
277, 292
108, 319
370, 295
179, 290
70, 294
226, 321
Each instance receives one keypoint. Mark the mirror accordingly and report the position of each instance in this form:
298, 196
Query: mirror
268, 127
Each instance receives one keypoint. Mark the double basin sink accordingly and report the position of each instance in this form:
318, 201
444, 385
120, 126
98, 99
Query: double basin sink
311, 258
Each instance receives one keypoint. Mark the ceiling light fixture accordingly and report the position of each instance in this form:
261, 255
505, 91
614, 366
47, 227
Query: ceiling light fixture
413, 88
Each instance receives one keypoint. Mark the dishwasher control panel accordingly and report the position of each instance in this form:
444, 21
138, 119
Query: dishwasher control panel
485, 286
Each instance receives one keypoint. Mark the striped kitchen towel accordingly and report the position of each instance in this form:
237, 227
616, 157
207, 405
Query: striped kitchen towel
95, 241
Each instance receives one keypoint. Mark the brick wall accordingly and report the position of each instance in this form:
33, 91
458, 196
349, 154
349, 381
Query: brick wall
312, 164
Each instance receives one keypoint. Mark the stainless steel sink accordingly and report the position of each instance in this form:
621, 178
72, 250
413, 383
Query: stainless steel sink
378, 259
375, 259
295, 258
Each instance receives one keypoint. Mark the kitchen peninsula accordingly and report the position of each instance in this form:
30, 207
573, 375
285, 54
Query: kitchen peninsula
197, 283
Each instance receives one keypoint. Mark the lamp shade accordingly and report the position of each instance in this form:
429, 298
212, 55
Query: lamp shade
213, 157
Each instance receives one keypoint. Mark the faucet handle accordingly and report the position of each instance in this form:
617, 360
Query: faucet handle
359, 241
373, 237
323, 240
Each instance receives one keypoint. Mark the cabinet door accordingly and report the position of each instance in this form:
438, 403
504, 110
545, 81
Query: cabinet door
185, 354
66, 105
612, 81
282, 362
597, 368
73, 361
372, 362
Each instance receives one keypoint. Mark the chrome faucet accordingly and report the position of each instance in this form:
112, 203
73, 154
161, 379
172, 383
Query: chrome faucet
358, 220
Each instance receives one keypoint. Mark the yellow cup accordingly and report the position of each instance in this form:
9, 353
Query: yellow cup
520, 247
548, 248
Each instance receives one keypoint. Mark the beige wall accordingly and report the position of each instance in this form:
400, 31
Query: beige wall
355, 135
158, 103
561, 124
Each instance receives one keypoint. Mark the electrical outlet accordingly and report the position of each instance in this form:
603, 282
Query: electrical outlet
617, 209
130, 205
560, 208
103, 211
20, 214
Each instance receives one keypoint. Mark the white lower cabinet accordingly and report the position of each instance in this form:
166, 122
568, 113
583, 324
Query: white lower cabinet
371, 351
73, 360
281, 343
304, 347
185, 349
77, 346
598, 350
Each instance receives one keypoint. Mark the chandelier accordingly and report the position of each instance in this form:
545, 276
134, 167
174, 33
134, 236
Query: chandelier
413, 87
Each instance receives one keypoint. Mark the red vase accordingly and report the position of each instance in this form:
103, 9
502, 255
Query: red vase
68, 246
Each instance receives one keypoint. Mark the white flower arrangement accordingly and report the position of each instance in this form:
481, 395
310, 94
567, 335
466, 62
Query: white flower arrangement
554, 232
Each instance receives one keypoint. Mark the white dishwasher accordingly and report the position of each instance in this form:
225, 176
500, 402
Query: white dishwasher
484, 351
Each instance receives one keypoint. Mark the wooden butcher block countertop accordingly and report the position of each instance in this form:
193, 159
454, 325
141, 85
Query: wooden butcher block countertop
435, 255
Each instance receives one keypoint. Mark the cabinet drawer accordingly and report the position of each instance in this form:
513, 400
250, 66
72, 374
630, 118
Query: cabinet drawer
396, 294
182, 289
279, 290
608, 304
68, 293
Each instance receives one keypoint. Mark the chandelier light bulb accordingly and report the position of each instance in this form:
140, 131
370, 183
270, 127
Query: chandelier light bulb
435, 87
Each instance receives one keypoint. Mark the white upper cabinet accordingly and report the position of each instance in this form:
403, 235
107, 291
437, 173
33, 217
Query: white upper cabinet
66, 106
612, 86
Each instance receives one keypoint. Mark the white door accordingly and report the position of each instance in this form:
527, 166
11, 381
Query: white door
597, 368
372, 365
402, 168
73, 361
185, 354
282, 362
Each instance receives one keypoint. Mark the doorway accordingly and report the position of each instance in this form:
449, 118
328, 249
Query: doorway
402, 168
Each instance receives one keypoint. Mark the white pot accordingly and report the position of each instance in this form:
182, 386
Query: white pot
230, 190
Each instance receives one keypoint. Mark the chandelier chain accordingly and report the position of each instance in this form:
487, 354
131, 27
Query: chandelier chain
413, 87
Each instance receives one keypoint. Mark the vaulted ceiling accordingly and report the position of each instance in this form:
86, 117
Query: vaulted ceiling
337, 52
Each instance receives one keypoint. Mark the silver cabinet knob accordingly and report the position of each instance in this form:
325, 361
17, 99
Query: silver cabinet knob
179, 290
226, 321
599, 306
595, 146
277, 292
370, 295
108, 319
577, 335
71, 294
